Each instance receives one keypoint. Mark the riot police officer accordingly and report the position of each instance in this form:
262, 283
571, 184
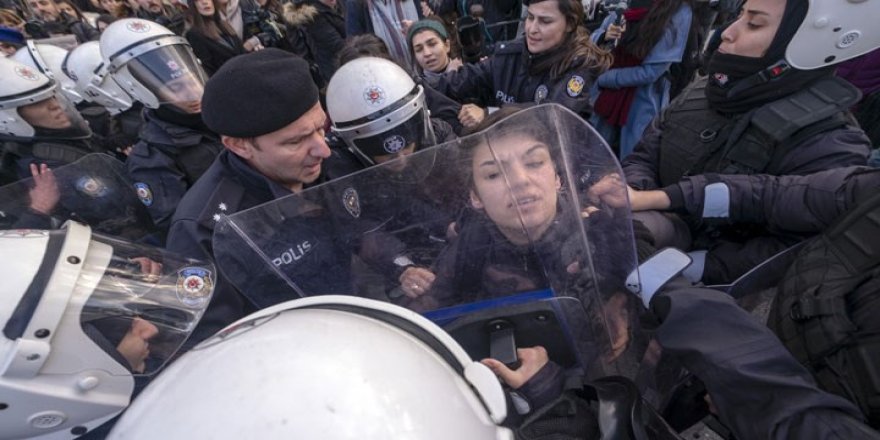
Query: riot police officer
39, 124
157, 68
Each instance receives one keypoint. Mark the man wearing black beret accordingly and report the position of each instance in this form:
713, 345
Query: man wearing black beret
265, 107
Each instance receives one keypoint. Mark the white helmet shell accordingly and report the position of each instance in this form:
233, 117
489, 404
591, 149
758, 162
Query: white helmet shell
78, 317
39, 400
367, 96
126, 40
325, 367
86, 66
49, 59
833, 32
20, 85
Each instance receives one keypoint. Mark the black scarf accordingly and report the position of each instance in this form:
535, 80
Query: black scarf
738, 84
169, 113
539, 64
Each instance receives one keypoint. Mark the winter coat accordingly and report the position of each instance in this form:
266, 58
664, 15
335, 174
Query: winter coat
324, 29
213, 53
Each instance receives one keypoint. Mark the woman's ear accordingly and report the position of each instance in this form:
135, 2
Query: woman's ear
476, 203
558, 182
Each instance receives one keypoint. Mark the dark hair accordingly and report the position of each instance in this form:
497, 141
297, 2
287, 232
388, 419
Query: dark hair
640, 39
105, 18
365, 45
214, 27
76, 9
502, 121
581, 49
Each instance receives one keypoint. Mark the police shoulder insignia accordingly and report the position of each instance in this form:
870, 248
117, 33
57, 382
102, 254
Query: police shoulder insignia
575, 86
541, 94
144, 193
194, 285
352, 202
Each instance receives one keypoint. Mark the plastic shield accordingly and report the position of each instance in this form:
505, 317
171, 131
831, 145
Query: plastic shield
93, 190
503, 238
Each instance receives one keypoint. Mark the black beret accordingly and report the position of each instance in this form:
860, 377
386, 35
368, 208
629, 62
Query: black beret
258, 93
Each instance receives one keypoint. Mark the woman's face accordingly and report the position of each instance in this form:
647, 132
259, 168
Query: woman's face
432, 53
67, 9
751, 34
545, 26
48, 113
519, 182
205, 7
111, 6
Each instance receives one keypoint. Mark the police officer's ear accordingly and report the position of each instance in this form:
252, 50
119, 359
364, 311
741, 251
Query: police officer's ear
240, 146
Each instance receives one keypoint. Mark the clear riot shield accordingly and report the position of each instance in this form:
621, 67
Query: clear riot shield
93, 190
500, 237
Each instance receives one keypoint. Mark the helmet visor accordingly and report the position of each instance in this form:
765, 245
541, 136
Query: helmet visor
173, 74
414, 134
145, 302
55, 117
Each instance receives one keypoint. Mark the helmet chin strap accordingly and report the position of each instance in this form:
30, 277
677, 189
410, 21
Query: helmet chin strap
773, 72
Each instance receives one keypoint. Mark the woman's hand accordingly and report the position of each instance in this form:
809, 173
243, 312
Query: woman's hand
454, 64
611, 190
471, 115
614, 31
531, 359
45, 194
415, 281
253, 44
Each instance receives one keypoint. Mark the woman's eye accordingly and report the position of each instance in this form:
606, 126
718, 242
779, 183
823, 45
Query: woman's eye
535, 164
752, 26
491, 176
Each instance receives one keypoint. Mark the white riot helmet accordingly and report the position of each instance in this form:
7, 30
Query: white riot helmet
22, 85
85, 66
377, 109
48, 59
326, 367
81, 315
833, 32
152, 64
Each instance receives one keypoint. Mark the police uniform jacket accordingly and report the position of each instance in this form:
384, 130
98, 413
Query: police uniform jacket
18, 154
807, 203
504, 78
660, 162
228, 186
166, 162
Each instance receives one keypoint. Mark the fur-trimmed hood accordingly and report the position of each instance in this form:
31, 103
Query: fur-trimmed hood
299, 14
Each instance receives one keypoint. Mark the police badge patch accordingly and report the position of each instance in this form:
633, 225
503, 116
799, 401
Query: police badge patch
138, 26
26, 73
541, 94
575, 86
144, 193
374, 95
91, 187
194, 286
352, 202
393, 144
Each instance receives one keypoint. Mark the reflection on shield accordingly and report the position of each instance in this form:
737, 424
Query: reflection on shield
519, 252
93, 190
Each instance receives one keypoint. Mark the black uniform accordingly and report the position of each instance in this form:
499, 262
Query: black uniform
692, 138
228, 186
504, 78
168, 160
54, 148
